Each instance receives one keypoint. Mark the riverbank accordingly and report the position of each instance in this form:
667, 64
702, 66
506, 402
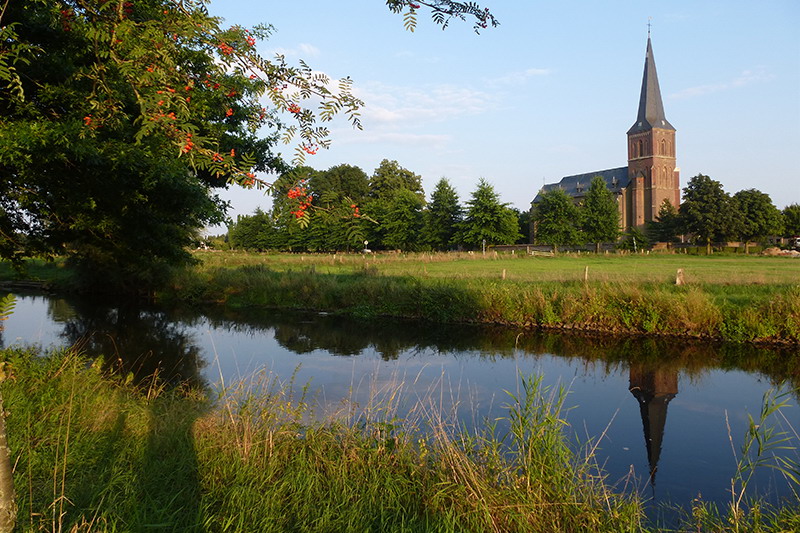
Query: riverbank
94, 451
734, 299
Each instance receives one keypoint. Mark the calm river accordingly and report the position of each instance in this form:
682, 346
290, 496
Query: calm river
663, 408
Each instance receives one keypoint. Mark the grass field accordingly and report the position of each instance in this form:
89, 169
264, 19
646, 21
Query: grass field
723, 270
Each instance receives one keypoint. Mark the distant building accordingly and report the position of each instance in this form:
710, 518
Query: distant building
651, 175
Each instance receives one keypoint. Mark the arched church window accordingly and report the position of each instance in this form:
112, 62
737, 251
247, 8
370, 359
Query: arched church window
663, 147
641, 153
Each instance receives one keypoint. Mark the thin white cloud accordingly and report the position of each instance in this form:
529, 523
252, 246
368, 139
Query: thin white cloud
405, 139
302, 50
518, 77
405, 106
747, 77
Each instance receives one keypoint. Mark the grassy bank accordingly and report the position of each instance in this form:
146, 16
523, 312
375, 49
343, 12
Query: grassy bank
736, 298
623, 294
93, 453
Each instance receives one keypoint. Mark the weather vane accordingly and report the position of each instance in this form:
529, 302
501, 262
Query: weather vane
648, 26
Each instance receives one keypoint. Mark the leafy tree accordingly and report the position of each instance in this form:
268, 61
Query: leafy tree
119, 119
403, 221
125, 118
791, 220
557, 219
707, 211
600, 214
253, 232
442, 216
338, 183
524, 222
759, 216
666, 225
390, 177
486, 219
385, 184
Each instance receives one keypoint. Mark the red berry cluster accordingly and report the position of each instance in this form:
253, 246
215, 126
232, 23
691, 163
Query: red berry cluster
305, 200
66, 19
309, 148
188, 145
294, 108
225, 48
127, 8
354, 207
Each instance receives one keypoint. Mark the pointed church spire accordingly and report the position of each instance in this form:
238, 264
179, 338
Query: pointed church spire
651, 108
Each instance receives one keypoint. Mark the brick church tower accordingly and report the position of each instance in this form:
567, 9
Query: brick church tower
654, 176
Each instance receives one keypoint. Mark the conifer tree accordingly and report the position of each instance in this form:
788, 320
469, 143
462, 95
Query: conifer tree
600, 214
487, 219
443, 216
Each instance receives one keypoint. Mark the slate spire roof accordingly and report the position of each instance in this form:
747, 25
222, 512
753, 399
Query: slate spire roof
651, 108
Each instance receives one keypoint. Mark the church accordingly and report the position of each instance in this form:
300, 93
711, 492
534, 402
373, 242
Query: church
652, 175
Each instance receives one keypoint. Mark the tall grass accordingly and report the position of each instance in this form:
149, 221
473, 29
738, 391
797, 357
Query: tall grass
95, 452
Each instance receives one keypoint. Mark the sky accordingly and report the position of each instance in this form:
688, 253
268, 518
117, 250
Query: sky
551, 91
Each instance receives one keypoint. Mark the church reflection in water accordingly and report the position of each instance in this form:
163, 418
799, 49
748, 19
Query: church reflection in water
653, 389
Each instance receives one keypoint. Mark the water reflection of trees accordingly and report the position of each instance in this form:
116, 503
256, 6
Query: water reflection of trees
142, 340
306, 332
130, 338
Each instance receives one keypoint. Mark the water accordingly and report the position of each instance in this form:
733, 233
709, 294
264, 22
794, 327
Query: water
668, 415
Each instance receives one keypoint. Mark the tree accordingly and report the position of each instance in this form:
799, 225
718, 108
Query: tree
442, 216
254, 232
387, 181
403, 221
524, 223
487, 220
634, 240
791, 220
119, 119
666, 225
707, 211
557, 219
390, 177
759, 216
600, 214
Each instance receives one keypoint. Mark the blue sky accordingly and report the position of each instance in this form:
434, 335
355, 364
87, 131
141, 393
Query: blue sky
552, 90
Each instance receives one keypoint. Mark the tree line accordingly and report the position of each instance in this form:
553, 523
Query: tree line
706, 215
344, 209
